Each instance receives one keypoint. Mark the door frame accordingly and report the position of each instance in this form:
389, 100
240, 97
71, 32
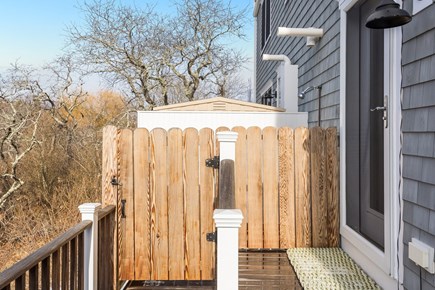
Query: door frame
386, 267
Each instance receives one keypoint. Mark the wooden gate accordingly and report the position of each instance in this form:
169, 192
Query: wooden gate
286, 186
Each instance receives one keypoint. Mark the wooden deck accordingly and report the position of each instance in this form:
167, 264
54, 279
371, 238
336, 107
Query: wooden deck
257, 270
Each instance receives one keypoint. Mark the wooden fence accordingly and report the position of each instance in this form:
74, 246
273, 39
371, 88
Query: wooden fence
60, 263
286, 186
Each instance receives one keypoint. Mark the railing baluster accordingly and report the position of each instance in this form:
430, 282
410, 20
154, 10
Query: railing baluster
20, 282
81, 268
65, 264
55, 269
73, 263
33, 277
45, 273
8, 287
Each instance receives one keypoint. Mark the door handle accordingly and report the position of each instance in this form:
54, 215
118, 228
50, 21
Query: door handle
378, 109
384, 109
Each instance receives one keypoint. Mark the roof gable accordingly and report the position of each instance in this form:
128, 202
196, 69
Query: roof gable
219, 104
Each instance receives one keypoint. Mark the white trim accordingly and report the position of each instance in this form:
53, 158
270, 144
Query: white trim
382, 266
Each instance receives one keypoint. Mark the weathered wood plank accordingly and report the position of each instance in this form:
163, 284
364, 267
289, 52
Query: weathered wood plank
142, 227
206, 150
80, 262
45, 273
302, 179
73, 264
125, 149
176, 204
191, 192
109, 192
270, 188
55, 270
241, 177
20, 282
332, 188
109, 165
159, 206
65, 266
255, 195
286, 188
33, 278
318, 188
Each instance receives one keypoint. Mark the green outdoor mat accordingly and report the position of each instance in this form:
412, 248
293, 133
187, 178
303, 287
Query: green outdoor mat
328, 268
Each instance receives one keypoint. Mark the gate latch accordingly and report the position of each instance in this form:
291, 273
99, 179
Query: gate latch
211, 237
213, 162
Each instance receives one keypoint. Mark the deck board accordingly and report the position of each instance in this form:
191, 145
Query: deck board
257, 270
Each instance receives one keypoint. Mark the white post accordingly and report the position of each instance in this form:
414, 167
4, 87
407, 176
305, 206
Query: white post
89, 212
228, 222
227, 141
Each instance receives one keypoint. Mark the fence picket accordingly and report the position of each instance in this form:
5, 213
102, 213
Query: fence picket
332, 188
206, 150
318, 188
127, 194
191, 191
141, 204
240, 172
159, 206
286, 188
176, 204
255, 194
270, 187
302, 185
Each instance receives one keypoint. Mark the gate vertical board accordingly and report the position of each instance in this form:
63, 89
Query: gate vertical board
127, 194
175, 204
302, 185
318, 188
141, 204
217, 153
206, 181
159, 206
332, 188
270, 188
255, 194
286, 188
109, 191
240, 172
191, 192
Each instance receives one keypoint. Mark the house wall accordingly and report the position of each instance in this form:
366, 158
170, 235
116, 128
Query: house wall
318, 65
418, 111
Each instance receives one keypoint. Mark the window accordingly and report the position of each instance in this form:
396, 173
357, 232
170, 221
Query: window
269, 98
265, 22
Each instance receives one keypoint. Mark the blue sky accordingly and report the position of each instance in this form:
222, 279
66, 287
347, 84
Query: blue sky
33, 31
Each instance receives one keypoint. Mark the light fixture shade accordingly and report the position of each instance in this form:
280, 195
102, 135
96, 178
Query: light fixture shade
387, 15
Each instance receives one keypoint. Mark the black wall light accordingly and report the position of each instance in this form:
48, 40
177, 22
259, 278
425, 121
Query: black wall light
387, 15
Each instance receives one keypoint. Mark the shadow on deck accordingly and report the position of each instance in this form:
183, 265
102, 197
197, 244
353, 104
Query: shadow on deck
257, 270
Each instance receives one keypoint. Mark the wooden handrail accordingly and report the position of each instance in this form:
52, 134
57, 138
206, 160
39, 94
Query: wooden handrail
17, 270
105, 211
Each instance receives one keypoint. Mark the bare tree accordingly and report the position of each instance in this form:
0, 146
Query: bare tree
19, 120
153, 55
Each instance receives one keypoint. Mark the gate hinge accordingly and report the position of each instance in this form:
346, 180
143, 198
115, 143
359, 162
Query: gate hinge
211, 237
213, 162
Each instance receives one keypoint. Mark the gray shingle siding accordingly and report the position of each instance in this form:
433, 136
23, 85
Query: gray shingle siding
418, 60
318, 65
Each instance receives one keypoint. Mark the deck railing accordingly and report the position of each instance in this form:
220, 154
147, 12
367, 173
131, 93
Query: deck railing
61, 263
